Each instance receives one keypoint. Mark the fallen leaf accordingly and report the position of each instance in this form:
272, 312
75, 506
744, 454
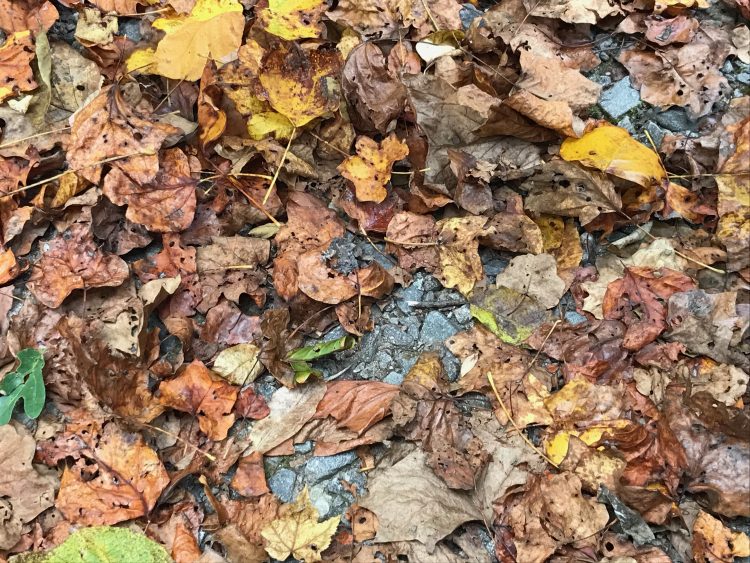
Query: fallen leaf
25, 15
734, 198
290, 410
296, 82
212, 30
510, 315
643, 290
298, 533
73, 261
409, 492
165, 204
239, 364
20, 505
686, 76
116, 476
370, 169
665, 31
108, 129
299, 19
199, 392
534, 276
458, 251
563, 188
95, 28
714, 542
250, 477
16, 55
251, 405
357, 405
611, 149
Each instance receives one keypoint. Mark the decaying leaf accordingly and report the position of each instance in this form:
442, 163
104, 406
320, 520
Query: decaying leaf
370, 170
73, 261
714, 542
16, 55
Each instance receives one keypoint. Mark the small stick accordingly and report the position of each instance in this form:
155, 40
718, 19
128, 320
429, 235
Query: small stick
278, 168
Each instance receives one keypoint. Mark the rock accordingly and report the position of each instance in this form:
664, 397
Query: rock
462, 315
619, 99
627, 124
674, 119
451, 364
319, 468
282, 484
394, 378
574, 318
304, 447
321, 499
656, 132
396, 336
436, 328
130, 28
743, 77
430, 283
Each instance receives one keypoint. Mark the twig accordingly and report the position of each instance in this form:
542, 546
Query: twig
17, 141
406, 243
278, 168
513, 422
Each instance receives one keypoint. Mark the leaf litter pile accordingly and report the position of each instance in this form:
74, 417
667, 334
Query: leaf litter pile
209, 207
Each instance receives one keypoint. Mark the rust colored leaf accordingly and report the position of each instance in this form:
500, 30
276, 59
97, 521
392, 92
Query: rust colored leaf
250, 478
201, 393
165, 204
116, 476
73, 261
251, 405
16, 55
20, 15
357, 405
108, 129
648, 290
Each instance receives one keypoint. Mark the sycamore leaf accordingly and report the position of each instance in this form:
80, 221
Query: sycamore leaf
102, 544
25, 382
298, 533
291, 19
370, 169
212, 30
612, 150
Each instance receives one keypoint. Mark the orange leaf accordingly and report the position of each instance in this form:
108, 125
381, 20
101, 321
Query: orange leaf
370, 170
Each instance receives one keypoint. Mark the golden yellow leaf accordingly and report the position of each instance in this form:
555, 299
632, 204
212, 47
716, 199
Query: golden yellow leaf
460, 265
713, 542
297, 532
212, 30
69, 185
298, 84
612, 150
142, 60
370, 169
269, 123
291, 19
552, 231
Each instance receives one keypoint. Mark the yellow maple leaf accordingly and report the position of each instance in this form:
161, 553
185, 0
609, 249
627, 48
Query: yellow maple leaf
460, 265
612, 150
300, 85
291, 19
370, 169
212, 30
298, 533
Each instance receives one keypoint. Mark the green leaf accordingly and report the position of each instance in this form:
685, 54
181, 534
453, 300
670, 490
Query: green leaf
25, 382
511, 316
303, 371
102, 544
321, 349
